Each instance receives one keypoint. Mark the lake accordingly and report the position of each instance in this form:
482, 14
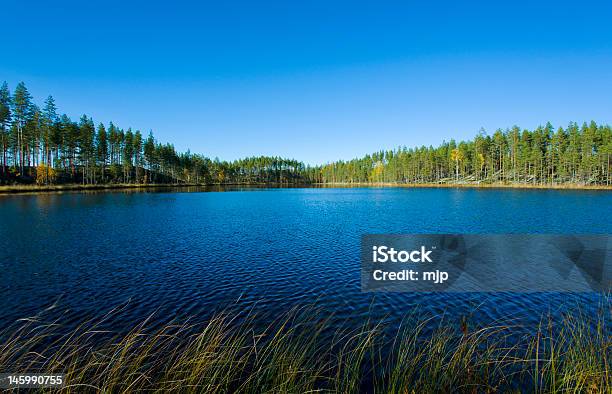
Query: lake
188, 254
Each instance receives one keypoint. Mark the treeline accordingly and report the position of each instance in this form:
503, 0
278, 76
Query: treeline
572, 155
39, 145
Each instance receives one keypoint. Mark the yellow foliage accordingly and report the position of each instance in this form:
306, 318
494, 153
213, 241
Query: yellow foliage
45, 174
221, 176
377, 172
457, 155
481, 160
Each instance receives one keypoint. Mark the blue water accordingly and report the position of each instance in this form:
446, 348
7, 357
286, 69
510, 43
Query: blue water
189, 254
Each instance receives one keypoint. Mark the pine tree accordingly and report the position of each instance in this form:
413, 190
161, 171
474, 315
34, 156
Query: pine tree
102, 149
87, 150
5, 121
48, 120
149, 155
137, 150
128, 155
22, 112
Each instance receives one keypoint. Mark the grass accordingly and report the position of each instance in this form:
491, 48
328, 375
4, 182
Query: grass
475, 185
301, 352
12, 189
15, 189
59, 188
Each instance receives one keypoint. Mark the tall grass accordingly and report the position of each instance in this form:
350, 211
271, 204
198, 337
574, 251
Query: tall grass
303, 351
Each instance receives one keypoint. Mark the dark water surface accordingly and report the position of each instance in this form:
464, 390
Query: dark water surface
189, 254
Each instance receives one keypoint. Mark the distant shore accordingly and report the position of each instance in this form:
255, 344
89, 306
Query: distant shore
473, 185
23, 189
14, 189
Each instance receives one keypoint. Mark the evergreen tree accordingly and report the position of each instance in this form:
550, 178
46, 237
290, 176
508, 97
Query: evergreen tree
5, 121
22, 112
102, 149
48, 120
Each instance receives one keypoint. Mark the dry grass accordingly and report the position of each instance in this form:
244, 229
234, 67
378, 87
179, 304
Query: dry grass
300, 353
24, 189
13, 189
475, 185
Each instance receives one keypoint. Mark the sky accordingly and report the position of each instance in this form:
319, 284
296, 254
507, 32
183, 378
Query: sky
314, 80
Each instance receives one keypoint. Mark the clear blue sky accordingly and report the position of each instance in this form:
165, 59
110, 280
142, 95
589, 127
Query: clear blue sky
313, 80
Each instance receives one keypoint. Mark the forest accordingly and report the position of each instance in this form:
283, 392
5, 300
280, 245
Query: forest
40, 146
579, 155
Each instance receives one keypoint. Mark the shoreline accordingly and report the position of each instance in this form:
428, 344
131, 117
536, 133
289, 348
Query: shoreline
35, 189
25, 189
559, 186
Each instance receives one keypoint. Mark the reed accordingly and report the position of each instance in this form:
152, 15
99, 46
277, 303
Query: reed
305, 351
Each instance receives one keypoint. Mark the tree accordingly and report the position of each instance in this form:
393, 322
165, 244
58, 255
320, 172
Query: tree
137, 150
128, 155
86, 147
22, 112
457, 156
149, 154
102, 149
49, 118
5, 121
45, 174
